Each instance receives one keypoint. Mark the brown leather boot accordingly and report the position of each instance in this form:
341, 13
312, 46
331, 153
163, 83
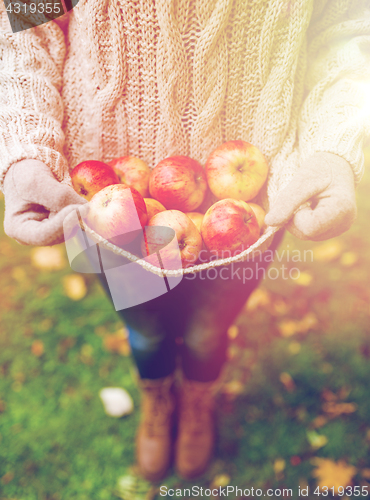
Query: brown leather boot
153, 439
196, 429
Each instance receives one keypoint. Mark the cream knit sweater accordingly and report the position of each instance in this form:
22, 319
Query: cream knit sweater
154, 78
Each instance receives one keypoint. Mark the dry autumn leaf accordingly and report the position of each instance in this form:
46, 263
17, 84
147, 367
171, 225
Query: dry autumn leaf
328, 251
233, 388
259, 298
37, 348
117, 342
287, 381
316, 440
335, 409
48, 258
74, 286
220, 481
289, 327
233, 331
332, 474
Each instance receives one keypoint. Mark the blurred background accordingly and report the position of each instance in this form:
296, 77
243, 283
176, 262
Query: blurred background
294, 408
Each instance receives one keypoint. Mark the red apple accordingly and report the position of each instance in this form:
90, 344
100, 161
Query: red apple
229, 227
188, 241
90, 177
179, 183
260, 214
133, 172
196, 218
237, 170
153, 207
116, 213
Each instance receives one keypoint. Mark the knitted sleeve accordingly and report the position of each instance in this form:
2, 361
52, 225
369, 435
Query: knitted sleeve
31, 108
335, 116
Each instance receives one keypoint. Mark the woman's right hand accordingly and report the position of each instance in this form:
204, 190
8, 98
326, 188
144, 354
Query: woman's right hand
36, 204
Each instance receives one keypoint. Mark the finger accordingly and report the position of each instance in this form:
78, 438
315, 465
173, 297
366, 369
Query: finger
42, 233
328, 219
301, 189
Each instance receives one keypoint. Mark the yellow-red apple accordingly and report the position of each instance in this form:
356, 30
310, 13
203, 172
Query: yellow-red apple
188, 240
229, 227
133, 172
89, 177
237, 170
117, 213
153, 207
179, 183
260, 214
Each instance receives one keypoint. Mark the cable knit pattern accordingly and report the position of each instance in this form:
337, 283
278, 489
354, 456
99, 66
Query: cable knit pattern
154, 78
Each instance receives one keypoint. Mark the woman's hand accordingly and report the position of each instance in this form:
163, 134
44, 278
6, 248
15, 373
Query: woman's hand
326, 181
36, 204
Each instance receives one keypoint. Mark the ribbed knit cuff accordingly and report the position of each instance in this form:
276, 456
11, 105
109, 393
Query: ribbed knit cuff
345, 141
13, 150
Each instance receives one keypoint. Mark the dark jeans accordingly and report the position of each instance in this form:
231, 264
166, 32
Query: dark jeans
192, 319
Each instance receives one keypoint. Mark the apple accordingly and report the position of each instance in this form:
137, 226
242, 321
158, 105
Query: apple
91, 176
229, 227
117, 213
237, 170
153, 207
179, 183
133, 172
260, 214
196, 218
189, 241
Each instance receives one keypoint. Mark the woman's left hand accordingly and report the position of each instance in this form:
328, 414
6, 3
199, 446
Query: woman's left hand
326, 182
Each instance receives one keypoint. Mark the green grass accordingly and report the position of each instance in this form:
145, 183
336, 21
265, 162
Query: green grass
57, 443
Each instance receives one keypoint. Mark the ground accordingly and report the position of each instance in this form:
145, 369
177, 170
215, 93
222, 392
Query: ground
293, 412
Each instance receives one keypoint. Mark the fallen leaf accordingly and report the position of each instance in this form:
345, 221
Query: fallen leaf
335, 409
117, 342
134, 487
74, 286
328, 251
233, 331
287, 381
233, 388
303, 279
332, 474
258, 298
318, 422
316, 440
294, 347
37, 348
220, 481
289, 327
279, 465
48, 258
9, 476
280, 307
328, 395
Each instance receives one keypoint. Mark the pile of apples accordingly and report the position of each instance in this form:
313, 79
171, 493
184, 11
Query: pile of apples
206, 208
